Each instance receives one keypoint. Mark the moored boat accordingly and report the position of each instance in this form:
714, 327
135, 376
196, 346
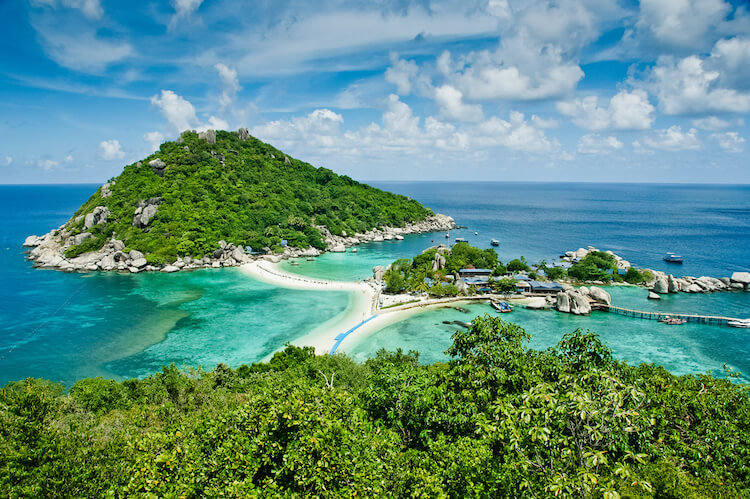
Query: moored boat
672, 258
495, 242
743, 323
501, 306
460, 240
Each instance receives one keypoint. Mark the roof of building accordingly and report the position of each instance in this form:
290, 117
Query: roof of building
475, 271
549, 286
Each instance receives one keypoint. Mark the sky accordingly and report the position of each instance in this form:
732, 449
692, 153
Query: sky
563, 90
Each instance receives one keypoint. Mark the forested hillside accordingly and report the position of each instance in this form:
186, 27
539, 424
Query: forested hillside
192, 193
497, 420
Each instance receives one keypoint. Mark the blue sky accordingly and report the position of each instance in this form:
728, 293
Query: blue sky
565, 90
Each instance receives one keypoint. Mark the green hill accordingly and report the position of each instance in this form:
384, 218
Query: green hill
194, 192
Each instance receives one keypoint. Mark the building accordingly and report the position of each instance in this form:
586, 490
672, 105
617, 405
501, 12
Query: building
523, 287
463, 273
547, 288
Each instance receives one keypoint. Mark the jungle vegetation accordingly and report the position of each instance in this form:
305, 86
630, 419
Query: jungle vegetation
242, 191
496, 419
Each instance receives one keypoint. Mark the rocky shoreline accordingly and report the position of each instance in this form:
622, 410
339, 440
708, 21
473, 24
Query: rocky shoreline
48, 251
663, 283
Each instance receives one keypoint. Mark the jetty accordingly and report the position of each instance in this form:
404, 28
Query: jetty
655, 316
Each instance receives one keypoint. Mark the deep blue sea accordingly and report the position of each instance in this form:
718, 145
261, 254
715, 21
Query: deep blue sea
68, 326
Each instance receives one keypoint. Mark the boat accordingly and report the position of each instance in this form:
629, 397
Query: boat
743, 323
294, 263
675, 322
476, 233
672, 258
447, 235
460, 240
462, 310
501, 306
310, 259
495, 242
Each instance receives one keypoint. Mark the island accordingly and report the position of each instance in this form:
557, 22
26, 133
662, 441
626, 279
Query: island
218, 198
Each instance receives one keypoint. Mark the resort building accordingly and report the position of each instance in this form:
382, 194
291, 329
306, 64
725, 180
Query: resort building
545, 288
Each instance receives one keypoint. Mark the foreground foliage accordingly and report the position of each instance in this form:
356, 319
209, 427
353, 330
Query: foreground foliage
242, 191
497, 420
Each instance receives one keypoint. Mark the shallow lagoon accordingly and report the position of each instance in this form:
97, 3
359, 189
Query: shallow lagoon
67, 326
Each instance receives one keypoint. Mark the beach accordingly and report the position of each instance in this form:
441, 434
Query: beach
362, 317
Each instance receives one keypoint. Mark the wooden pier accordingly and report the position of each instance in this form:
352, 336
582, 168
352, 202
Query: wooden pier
655, 316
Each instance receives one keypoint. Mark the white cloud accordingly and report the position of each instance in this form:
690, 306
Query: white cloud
595, 144
47, 164
184, 9
451, 104
214, 122
179, 112
230, 84
710, 123
682, 24
729, 141
626, 111
110, 149
673, 139
80, 50
400, 132
540, 122
92, 9
517, 133
696, 85
69, 158
8, 160
731, 57
154, 139
401, 73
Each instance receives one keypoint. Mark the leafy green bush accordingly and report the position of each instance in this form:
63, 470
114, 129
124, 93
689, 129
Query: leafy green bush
497, 419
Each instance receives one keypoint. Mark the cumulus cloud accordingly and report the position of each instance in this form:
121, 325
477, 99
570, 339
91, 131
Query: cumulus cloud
595, 144
178, 111
693, 84
729, 141
451, 104
625, 111
402, 74
673, 139
111, 149
682, 24
400, 132
540, 122
91, 9
154, 139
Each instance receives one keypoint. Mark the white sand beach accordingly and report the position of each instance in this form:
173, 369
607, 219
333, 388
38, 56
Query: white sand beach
363, 306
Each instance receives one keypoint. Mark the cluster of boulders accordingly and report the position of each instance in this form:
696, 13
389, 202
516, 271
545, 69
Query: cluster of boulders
667, 283
580, 253
579, 301
435, 223
144, 211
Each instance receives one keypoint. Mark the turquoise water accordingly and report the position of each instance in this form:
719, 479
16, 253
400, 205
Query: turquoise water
68, 326
688, 348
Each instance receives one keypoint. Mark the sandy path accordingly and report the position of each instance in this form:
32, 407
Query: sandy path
361, 318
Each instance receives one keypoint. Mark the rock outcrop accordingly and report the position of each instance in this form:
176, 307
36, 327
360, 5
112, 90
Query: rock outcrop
145, 211
563, 302
661, 286
378, 272
158, 166
96, 217
579, 304
599, 295
209, 136
653, 296
243, 134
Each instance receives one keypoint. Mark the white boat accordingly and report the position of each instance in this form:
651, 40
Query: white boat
447, 235
476, 233
495, 242
460, 240
743, 323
